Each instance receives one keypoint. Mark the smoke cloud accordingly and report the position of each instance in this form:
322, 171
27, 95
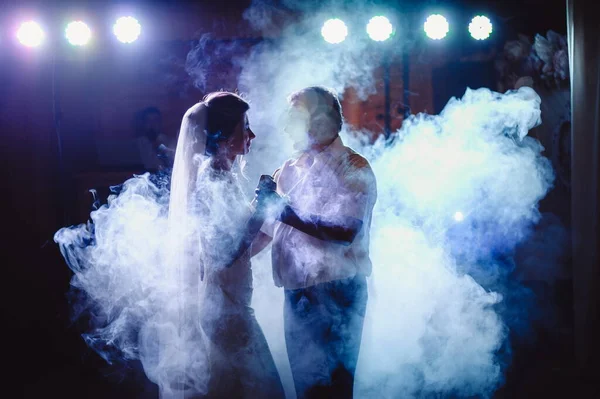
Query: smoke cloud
457, 193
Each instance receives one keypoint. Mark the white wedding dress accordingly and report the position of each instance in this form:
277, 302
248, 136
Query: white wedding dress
240, 362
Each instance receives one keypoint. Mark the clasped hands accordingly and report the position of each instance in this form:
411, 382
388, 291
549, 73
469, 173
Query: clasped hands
268, 202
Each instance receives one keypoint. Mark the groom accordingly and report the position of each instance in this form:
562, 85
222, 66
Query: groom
320, 250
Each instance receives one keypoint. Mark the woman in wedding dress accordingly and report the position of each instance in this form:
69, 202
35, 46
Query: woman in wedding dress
216, 226
164, 274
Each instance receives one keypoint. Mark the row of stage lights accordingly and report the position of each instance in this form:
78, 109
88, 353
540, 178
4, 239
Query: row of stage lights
334, 31
78, 33
380, 28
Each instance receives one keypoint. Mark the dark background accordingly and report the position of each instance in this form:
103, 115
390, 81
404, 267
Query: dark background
98, 90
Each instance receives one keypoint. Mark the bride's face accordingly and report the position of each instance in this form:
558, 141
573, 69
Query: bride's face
241, 138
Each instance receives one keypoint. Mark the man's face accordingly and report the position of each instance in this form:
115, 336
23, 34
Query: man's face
297, 125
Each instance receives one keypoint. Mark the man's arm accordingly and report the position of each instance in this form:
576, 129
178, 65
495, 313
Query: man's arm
358, 185
342, 232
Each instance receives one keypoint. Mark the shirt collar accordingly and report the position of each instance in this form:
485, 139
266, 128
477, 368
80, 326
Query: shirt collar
336, 147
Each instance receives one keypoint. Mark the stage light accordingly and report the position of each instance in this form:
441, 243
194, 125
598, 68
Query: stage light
436, 27
30, 34
334, 31
480, 27
127, 29
459, 217
380, 28
78, 33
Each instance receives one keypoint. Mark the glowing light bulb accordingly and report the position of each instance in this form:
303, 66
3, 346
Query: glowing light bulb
459, 217
334, 31
30, 34
78, 33
127, 29
436, 27
480, 27
380, 28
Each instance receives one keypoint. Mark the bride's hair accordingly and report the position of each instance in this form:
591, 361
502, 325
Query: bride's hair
203, 127
224, 111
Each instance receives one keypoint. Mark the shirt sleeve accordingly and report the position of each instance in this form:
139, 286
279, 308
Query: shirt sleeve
358, 189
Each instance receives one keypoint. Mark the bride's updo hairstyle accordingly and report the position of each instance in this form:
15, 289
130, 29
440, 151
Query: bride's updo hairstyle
225, 111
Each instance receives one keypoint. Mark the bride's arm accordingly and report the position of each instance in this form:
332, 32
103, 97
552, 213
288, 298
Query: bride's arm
250, 233
253, 238
260, 242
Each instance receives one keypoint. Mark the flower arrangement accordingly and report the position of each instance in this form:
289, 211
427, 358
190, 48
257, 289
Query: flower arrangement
523, 63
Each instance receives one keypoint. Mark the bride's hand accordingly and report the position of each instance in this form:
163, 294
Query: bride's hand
268, 201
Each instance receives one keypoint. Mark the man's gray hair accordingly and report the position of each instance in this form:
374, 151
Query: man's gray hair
321, 103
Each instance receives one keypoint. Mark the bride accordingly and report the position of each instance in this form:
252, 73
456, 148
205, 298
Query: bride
214, 226
166, 274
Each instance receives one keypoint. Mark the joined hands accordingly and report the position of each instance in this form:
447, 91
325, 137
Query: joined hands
268, 202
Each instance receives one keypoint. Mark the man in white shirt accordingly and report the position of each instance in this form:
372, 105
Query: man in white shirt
320, 249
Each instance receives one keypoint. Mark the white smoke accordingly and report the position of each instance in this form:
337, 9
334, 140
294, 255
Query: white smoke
431, 328
132, 293
453, 190
433, 325
143, 301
